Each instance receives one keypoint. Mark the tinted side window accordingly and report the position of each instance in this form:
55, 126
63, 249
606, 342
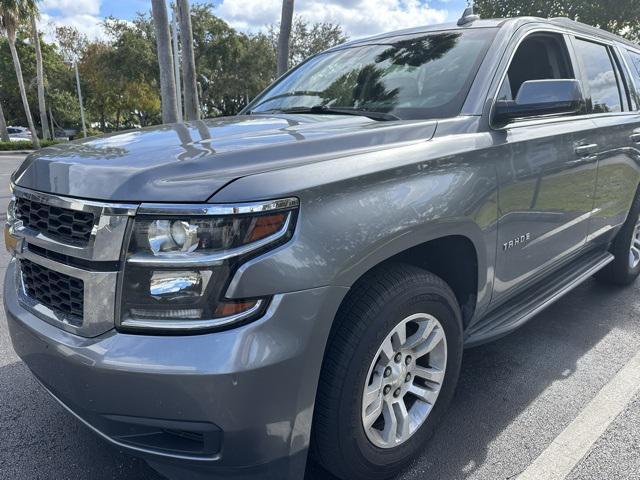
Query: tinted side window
635, 62
634, 65
539, 57
600, 75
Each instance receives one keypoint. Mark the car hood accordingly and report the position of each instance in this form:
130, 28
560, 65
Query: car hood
190, 162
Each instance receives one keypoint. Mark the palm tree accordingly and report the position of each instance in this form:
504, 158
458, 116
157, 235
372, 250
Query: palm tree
165, 61
12, 14
191, 103
283, 39
40, 77
4, 133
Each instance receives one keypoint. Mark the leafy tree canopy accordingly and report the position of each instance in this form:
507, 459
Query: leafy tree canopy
120, 75
618, 16
307, 39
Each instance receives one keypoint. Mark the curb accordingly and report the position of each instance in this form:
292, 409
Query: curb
15, 152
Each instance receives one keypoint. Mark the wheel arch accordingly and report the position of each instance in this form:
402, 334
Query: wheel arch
453, 254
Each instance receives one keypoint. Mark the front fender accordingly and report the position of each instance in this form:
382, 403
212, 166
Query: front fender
348, 226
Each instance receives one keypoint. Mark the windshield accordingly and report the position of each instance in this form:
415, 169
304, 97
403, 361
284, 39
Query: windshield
411, 77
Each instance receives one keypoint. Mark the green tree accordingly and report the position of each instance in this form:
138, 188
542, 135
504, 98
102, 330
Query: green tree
71, 43
13, 13
129, 57
59, 77
120, 75
618, 16
307, 39
233, 67
100, 91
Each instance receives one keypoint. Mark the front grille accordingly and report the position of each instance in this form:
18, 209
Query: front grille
62, 224
55, 290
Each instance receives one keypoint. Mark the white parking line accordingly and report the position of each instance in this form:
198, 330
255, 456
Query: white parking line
566, 451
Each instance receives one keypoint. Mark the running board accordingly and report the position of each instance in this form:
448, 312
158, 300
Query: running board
519, 310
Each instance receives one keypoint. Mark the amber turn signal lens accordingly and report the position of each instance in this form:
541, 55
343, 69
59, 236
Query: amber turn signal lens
10, 242
266, 225
226, 309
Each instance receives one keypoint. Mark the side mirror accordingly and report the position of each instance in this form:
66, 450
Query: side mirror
541, 97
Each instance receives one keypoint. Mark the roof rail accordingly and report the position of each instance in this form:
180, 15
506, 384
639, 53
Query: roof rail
468, 17
578, 26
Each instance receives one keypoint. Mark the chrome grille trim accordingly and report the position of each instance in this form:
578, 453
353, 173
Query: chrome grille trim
58, 291
105, 245
65, 225
99, 297
105, 242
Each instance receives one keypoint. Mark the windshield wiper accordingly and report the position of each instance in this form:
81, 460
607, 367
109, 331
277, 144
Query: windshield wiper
325, 110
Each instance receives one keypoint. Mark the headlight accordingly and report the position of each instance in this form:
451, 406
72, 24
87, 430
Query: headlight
181, 258
166, 238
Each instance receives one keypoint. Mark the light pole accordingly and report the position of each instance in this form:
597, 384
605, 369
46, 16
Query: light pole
74, 64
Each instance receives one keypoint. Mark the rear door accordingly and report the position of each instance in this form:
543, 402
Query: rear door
614, 110
546, 173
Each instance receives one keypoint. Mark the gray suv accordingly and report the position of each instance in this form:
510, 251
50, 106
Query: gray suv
223, 297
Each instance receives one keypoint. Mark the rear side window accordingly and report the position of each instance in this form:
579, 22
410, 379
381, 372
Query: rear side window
600, 73
635, 63
635, 67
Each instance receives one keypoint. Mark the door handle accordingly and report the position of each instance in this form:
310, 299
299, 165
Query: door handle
586, 150
635, 138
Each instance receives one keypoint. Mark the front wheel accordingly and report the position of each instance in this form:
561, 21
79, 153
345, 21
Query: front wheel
389, 373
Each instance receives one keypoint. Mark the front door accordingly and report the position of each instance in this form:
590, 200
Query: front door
546, 173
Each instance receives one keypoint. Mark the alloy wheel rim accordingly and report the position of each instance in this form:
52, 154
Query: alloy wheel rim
404, 380
634, 251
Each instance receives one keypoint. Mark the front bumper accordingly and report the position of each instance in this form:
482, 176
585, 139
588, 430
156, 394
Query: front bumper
238, 402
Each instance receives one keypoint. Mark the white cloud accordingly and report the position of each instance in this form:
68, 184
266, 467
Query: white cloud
89, 25
80, 14
358, 17
73, 7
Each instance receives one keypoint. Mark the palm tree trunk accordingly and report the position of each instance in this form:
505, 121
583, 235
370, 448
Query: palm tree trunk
4, 133
191, 104
23, 91
40, 76
165, 61
285, 34
176, 60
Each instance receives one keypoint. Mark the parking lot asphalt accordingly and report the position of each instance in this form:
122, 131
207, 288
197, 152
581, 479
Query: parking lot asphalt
515, 397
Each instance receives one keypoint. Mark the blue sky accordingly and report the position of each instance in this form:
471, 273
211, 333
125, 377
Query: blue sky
127, 9
358, 17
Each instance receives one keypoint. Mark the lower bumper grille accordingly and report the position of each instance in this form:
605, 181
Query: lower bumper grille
55, 290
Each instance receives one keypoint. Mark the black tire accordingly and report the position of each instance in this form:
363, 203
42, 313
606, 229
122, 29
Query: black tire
620, 271
374, 307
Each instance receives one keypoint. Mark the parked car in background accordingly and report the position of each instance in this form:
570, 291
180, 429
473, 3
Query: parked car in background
61, 135
19, 134
222, 297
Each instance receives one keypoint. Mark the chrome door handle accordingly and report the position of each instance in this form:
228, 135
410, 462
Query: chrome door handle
586, 150
635, 138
